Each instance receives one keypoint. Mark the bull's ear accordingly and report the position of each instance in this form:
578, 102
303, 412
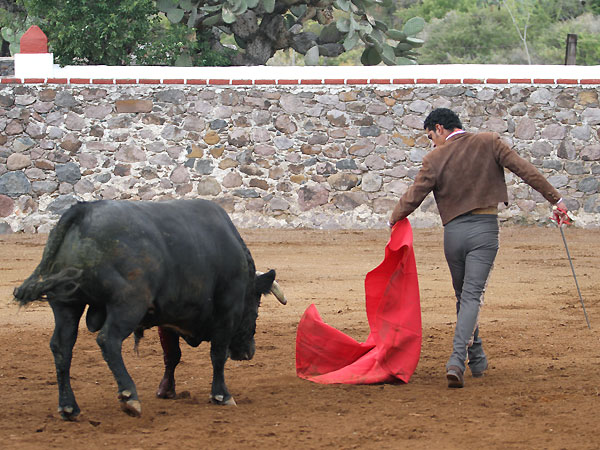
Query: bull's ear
264, 282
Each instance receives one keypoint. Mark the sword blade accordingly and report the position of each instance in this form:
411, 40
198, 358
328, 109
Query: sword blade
562, 233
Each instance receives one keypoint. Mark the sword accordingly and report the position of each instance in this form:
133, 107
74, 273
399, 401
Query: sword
562, 233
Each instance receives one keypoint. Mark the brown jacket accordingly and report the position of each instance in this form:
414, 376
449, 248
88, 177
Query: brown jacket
466, 173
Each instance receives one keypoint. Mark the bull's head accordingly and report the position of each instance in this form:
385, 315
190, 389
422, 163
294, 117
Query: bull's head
242, 346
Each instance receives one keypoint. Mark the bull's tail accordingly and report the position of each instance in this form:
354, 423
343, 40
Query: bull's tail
59, 286
42, 282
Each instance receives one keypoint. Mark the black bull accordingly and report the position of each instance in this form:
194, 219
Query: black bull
181, 265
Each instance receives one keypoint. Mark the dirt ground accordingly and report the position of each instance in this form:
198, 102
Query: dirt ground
542, 389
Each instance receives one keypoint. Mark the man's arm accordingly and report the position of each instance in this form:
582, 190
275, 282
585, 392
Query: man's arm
416, 193
510, 159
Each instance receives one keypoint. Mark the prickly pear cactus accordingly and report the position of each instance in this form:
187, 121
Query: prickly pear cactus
261, 27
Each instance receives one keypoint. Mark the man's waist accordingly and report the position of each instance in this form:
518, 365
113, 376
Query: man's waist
487, 210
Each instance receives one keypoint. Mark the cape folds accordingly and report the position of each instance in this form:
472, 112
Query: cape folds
391, 352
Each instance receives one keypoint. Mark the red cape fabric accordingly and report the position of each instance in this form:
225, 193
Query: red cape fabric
391, 352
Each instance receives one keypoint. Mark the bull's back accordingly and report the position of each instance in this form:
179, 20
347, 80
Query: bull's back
177, 250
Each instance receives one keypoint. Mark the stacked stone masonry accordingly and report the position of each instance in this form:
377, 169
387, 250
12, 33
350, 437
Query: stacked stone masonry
323, 156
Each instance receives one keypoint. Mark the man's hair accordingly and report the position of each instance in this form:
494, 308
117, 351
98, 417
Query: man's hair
444, 117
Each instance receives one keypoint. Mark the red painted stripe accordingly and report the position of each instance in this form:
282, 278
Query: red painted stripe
427, 81
10, 81
126, 81
520, 80
241, 82
57, 81
196, 81
174, 81
403, 81
566, 81
311, 81
103, 81
219, 81
380, 81
357, 81
80, 81
497, 81
333, 81
450, 81
35, 80
590, 81
472, 81
149, 81
543, 81
265, 82
288, 81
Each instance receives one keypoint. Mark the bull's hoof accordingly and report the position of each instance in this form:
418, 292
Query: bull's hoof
130, 406
166, 390
166, 394
218, 400
68, 413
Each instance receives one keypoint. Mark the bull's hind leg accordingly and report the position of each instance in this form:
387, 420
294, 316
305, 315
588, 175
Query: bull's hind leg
120, 323
169, 340
66, 322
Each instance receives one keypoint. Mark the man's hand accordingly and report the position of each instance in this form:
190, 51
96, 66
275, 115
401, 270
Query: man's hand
560, 215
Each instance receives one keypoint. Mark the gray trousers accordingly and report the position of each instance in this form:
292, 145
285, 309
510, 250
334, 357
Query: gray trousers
470, 246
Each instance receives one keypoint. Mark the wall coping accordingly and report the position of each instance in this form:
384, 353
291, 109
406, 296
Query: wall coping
37, 66
301, 81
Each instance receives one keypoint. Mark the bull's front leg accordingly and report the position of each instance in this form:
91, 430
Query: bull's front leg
169, 340
218, 355
66, 320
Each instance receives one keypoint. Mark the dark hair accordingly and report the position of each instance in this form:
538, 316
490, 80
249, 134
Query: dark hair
444, 117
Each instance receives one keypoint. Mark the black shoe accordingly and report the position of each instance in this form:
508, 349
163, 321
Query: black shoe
455, 378
480, 373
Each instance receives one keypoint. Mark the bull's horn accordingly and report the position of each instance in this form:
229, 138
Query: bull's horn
275, 290
278, 293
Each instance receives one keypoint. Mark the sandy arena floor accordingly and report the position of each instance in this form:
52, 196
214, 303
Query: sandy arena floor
542, 389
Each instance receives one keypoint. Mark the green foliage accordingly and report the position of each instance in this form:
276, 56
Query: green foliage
94, 32
486, 42
355, 25
177, 45
436, 9
594, 6
12, 25
550, 49
13, 37
487, 34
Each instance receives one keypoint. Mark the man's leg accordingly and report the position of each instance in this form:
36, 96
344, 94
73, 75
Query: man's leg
470, 245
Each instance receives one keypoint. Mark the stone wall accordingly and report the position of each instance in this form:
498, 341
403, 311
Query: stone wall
7, 67
279, 156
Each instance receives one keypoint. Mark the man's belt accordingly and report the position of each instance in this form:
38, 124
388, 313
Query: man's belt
489, 210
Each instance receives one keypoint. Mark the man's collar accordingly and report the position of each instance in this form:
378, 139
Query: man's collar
454, 133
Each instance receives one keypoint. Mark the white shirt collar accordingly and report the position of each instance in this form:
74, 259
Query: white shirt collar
454, 133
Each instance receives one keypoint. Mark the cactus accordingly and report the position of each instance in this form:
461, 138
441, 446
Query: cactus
353, 26
13, 38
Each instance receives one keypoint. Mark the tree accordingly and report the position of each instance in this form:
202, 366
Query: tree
436, 9
99, 32
480, 33
520, 12
594, 6
550, 48
262, 27
477, 37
